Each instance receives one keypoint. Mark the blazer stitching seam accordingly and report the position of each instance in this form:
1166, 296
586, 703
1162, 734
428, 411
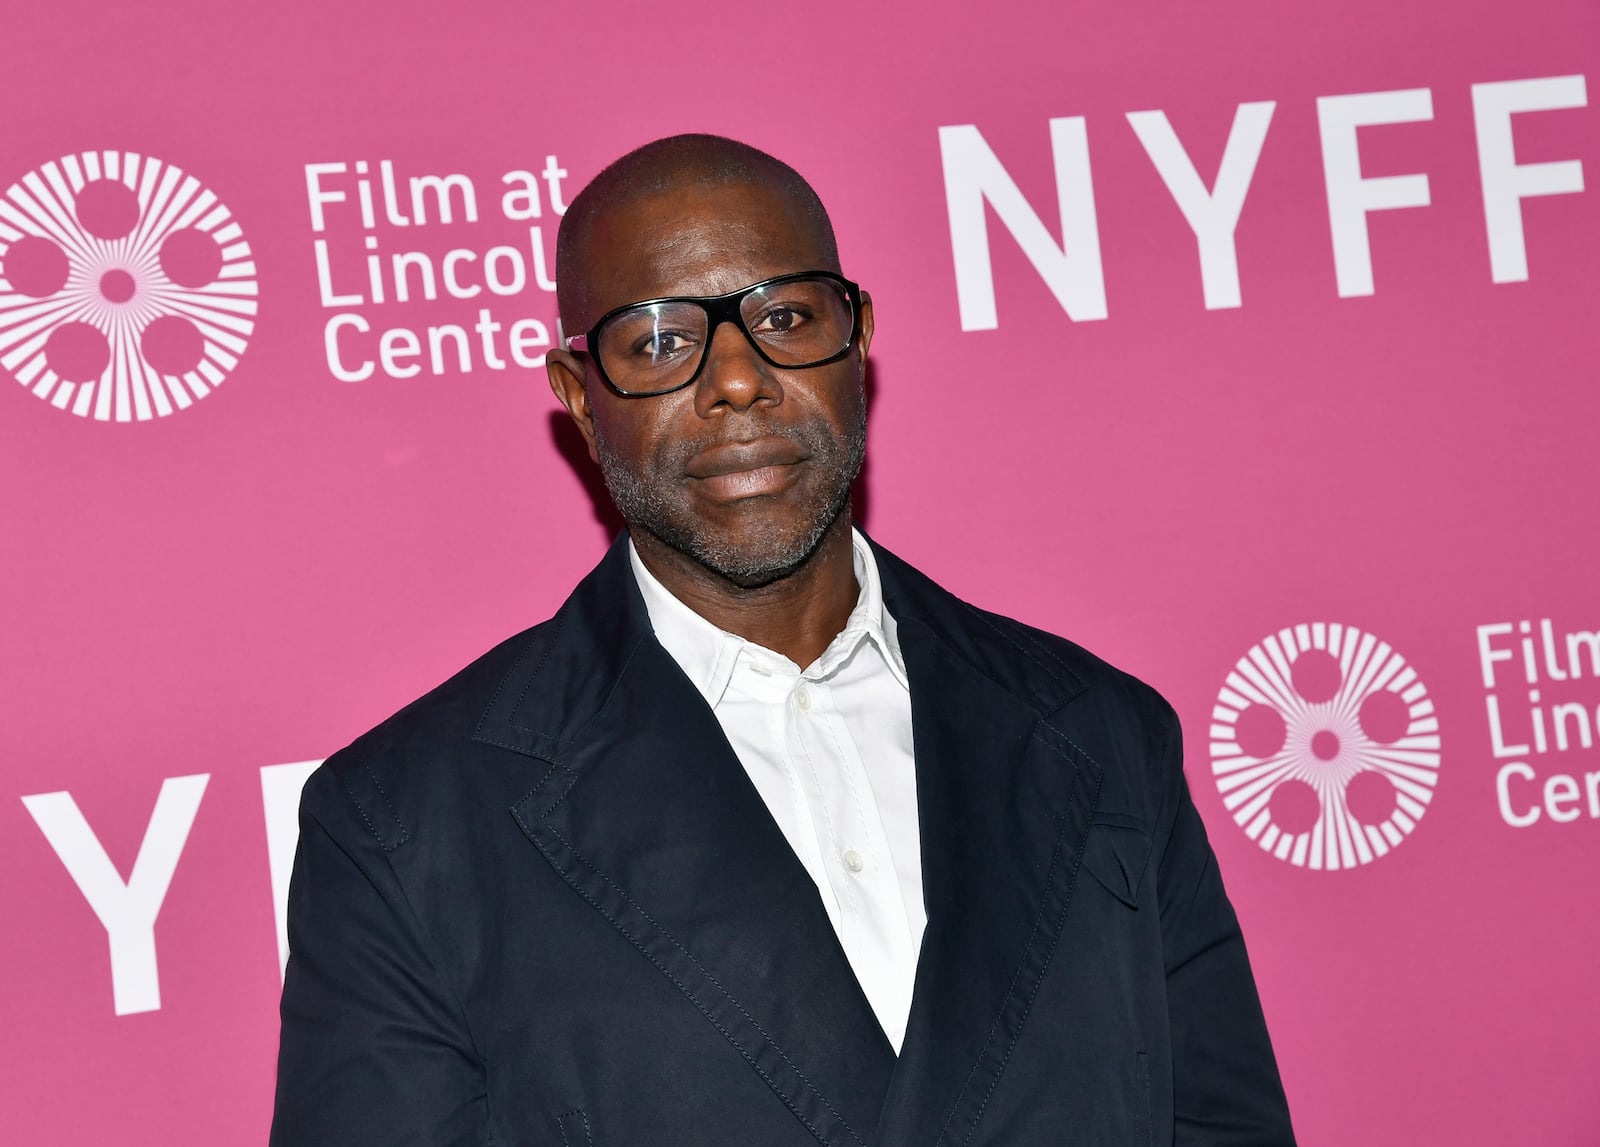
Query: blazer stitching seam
499, 744
560, 621
405, 834
568, 769
1046, 723
561, 1124
360, 808
599, 711
1048, 956
533, 792
787, 1101
1017, 643
1031, 655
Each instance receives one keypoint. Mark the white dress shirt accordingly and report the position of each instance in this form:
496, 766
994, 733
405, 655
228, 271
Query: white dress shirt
828, 747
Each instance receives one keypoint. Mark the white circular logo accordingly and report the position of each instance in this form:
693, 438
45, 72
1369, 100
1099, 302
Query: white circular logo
1325, 746
127, 291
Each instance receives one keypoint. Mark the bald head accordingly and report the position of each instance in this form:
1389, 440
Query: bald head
678, 164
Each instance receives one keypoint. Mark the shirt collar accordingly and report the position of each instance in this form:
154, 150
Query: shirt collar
708, 654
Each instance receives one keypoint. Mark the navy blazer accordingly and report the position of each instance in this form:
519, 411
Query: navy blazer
544, 904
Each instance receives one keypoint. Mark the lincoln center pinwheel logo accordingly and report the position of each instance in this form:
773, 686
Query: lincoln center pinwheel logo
1325, 746
127, 290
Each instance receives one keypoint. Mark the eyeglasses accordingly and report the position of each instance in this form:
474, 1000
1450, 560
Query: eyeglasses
794, 321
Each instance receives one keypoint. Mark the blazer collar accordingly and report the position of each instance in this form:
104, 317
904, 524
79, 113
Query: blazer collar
572, 663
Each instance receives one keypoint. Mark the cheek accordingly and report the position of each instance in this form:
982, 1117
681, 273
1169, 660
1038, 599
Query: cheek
842, 401
637, 434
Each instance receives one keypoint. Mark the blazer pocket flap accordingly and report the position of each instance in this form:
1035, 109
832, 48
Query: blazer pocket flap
1116, 854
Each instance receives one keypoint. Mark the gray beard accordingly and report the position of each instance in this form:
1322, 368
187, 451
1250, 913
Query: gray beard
648, 503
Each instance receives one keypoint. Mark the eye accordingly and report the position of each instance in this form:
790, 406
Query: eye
662, 345
781, 318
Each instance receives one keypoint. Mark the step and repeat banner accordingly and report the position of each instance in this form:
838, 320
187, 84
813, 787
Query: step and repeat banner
1252, 346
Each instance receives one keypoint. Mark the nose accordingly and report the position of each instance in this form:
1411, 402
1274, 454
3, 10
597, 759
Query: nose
734, 375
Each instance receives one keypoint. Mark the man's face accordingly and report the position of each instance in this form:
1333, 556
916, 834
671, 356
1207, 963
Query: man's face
744, 470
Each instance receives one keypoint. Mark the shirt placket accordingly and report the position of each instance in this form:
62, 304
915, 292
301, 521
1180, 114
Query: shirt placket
872, 926
771, 684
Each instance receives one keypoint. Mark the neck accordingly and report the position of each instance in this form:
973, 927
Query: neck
796, 615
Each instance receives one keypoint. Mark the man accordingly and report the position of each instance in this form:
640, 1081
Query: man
763, 838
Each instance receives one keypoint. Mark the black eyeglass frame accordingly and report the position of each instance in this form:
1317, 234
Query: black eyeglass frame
720, 309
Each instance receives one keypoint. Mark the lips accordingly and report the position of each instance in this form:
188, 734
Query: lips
736, 457
747, 469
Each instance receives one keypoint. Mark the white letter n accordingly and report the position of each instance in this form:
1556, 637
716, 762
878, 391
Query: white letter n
127, 911
973, 176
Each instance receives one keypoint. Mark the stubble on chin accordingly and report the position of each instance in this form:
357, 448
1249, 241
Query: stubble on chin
650, 495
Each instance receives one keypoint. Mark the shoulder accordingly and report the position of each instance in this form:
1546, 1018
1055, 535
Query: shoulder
415, 765
1112, 715
476, 741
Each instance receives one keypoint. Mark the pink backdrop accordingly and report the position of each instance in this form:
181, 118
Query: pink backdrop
1400, 441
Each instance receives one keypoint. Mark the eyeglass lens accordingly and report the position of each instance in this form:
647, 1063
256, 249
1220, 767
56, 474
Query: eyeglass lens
658, 346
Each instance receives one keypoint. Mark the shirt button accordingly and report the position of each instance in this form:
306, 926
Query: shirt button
802, 698
853, 860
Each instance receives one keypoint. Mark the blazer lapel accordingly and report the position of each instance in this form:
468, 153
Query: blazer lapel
647, 813
1005, 803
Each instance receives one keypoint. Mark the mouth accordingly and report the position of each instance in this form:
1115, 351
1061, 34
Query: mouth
747, 469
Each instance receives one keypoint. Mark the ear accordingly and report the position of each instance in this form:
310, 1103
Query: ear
865, 338
569, 381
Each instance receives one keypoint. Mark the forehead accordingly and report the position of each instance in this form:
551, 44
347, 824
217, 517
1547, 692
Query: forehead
697, 240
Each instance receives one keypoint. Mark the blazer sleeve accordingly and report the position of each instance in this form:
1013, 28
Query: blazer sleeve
1226, 1089
374, 1047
